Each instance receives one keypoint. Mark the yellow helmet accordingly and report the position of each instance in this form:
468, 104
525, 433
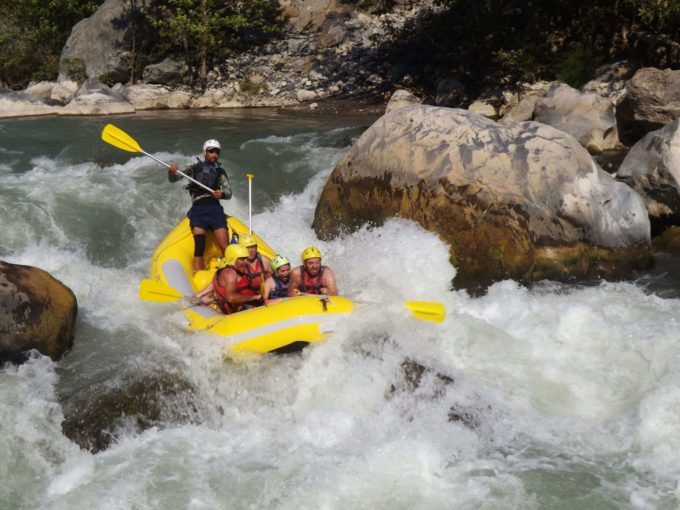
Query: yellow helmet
232, 253
247, 241
310, 253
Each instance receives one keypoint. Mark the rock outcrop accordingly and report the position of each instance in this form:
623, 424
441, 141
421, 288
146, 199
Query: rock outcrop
22, 104
36, 312
523, 201
94, 416
97, 45
586, 116
652, 168
652, 100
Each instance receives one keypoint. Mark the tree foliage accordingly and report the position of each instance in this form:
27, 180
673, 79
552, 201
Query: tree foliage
205, 31
32, 34
500, 41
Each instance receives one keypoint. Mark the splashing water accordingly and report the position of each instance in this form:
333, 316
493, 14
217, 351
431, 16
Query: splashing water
552, 397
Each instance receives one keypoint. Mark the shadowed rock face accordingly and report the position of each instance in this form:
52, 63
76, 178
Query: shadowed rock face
524, 201
36, 312
652, 168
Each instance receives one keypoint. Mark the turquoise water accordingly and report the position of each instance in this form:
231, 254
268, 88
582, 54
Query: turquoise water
569, 394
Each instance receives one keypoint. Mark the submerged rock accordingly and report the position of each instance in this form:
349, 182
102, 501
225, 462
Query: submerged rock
36, 312
96, 416
524, 201
652, 168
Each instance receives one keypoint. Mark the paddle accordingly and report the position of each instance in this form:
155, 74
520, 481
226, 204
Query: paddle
153, 290
250, 203
119, 138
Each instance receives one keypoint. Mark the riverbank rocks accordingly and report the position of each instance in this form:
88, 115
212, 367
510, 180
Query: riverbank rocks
652, 100
519, 107
36, 312
586, 116
154, 97
21, 104
96, 98
524, 201
652, 168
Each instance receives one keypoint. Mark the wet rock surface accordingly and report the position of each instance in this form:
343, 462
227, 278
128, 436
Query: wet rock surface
524, 201
36, 312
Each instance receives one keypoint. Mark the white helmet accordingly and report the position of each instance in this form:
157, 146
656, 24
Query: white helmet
211, 144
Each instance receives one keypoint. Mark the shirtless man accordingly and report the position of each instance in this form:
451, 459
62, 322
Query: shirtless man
311, 277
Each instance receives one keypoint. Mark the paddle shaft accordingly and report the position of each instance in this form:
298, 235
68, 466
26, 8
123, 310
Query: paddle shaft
179, 172
250, 203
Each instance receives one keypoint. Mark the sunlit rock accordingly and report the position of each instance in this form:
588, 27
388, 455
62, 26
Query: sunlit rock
652, 168
154, 97
36, 312
96, 98
586, 116
21, 104
521, 108
401, 98
41, 90
524, 201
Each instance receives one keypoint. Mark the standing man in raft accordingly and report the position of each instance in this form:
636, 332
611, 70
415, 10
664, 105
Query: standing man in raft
206, 213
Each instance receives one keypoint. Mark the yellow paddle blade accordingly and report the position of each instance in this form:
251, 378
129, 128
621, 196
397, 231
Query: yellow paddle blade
153, 290
427, 310
119, 138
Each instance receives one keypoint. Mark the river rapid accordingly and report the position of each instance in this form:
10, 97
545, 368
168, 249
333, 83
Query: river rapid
554, 397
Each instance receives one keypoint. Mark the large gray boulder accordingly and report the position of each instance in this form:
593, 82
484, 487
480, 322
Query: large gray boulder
524, 201
588, 117
100, 43
652, 100
36, 312
167, 72
652, 168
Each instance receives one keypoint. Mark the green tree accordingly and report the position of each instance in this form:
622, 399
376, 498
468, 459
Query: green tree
207, 30
32, 34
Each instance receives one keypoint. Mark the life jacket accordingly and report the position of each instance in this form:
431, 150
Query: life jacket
280, 290
257, 276
207, 174
243, 288
311, 284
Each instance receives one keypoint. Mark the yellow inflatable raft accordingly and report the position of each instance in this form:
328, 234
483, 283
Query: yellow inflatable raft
283, 326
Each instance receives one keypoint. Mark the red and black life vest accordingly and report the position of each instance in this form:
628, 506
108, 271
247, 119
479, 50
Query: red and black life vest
244, 287
311, 284
257, 276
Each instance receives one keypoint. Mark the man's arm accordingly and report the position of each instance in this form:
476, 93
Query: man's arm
328, 283
173, 176
233, 297
294, 283
225, 185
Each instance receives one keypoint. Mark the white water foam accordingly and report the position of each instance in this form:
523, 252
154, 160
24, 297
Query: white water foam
562, 396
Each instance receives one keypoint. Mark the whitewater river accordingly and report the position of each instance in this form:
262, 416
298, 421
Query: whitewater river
569, 395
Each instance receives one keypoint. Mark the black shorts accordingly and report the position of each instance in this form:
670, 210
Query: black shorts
208, 217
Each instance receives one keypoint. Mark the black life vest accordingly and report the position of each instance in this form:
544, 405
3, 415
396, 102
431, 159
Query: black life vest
207, 174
